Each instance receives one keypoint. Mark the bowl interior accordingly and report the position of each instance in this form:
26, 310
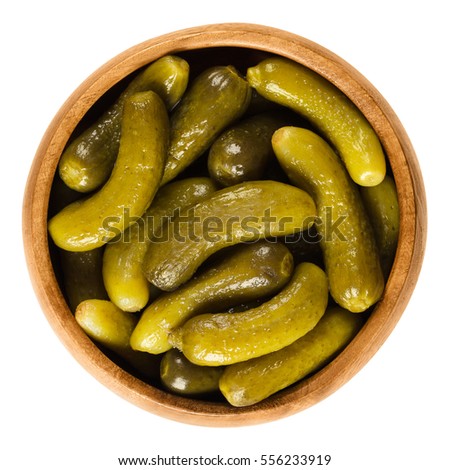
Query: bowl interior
243, 46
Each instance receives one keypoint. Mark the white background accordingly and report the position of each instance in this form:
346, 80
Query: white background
394, 414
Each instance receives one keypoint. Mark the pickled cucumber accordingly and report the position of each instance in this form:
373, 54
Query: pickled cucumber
242, 151
252, 381
215, 339
241, 213
346, 237
342, 124
109, 326
381, 203
216, 98
124, 280
88, 160
92, 222
82, 276
184, 378
247, 273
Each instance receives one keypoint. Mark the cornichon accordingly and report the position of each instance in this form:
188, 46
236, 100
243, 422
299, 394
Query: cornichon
241, 213
92, 222
381, 203
88, 160
124, 280
306, 92
109, 326
250, 382
216, 339
242, 151
247, 273
346, 237
216, 98
184, 378
82, 276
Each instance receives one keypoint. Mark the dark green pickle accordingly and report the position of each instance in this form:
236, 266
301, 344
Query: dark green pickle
82, 276
184, 378
241, 152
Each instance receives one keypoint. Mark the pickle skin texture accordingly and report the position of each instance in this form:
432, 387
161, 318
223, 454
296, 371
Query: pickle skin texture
381, 203
93, 221
88, 160
351, 256
109, 326
250, 382
249, 272
184, 378
124, 280
226, 338
337, 118
189, 240
82, 276
242, 151
218, 97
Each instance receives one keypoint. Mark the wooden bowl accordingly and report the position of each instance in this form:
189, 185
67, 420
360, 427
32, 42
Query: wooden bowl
243, 44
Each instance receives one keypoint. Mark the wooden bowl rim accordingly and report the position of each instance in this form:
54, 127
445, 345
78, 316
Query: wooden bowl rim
404, 274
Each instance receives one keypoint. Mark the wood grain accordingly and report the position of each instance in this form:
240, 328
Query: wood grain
247, 43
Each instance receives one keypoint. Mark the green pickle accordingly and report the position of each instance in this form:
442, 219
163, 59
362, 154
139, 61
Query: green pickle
184, 378
299, 88
124, 280
88, 160
250, 382
241, 152
215, 339
109, 326
217, 97
381, 203
241, 213
349, 249
247, 273
95, 220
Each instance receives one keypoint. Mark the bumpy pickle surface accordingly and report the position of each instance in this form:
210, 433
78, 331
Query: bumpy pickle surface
93, 221
346, 237
217, 339
246, 273
241, 213
252, 381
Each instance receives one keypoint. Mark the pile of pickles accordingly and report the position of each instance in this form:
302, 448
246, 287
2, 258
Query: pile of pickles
224, 234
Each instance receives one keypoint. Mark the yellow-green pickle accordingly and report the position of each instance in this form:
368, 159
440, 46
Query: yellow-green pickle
184, 378
247, 273
217, 339
124, 279
88, 160
306, 92
109, 326
92, 222
346, 237
252, 381
217, 97
241, 213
